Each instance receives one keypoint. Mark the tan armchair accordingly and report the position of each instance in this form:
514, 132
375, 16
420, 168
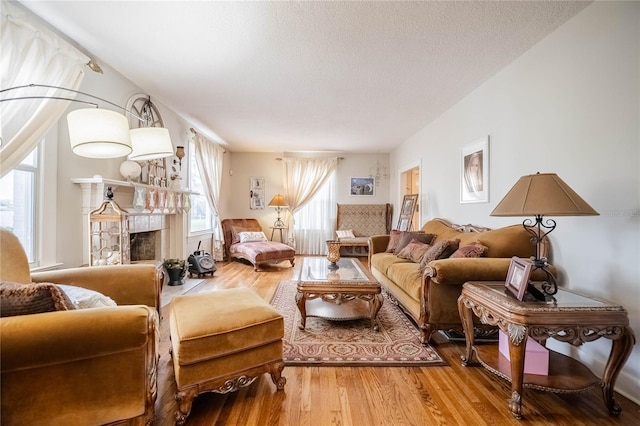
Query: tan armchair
83, 366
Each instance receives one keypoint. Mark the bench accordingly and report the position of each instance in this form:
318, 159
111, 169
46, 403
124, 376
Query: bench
364, 221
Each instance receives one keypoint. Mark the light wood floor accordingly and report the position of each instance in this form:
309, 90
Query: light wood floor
451, 395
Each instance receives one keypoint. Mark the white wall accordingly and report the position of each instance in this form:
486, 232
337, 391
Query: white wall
570, 105
248, 165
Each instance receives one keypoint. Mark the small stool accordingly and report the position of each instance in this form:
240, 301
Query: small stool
222, 341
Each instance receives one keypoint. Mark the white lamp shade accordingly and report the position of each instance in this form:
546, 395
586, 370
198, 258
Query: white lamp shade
98, 133
149, 143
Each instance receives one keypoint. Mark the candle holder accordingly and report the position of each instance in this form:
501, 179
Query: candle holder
333, 253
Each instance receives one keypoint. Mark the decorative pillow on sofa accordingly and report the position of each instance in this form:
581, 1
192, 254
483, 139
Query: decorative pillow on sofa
34, 298
407, 237
83, 298
345, 233
247, 237
471, 250
414, 251
394, 239
440, 250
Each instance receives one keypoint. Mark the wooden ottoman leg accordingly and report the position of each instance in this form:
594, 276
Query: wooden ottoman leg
275, 370
185, 401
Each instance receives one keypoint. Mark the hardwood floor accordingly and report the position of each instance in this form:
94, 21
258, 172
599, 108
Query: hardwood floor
450, 395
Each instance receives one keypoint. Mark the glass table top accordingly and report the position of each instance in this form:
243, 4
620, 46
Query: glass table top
316, 269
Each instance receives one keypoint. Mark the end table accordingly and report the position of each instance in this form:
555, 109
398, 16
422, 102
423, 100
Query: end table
566, 316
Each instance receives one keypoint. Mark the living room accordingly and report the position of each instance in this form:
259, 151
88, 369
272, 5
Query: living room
568, 105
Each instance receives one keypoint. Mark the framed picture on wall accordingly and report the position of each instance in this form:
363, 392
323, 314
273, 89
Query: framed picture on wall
256, 193
406, 212
362, 186
474, 172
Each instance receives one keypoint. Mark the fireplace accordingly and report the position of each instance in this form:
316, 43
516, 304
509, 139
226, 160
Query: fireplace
145, 246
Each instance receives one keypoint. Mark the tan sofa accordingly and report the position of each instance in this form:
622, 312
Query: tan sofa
430, 298
80, 366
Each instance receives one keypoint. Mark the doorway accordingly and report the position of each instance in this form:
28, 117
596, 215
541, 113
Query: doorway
410, 184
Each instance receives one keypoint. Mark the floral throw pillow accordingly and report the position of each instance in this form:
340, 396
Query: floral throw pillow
440, 250
394, 239
471, 250
414, 251
407, 237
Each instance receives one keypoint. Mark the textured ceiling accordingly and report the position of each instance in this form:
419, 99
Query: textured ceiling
307, 76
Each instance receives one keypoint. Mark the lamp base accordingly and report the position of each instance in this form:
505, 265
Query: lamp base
278, 223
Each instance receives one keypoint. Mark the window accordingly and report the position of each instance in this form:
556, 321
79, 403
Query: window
315, 222
200, 215
18, 200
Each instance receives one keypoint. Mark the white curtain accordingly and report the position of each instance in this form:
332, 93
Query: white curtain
316, 221
302, 178
209, 159
31, 53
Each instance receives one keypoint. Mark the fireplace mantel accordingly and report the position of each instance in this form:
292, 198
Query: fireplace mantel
93, 190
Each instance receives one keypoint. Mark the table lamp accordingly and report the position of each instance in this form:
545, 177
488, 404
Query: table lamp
539, 195
278, 202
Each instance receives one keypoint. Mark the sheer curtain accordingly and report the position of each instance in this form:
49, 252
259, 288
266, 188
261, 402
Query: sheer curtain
209, 158
31, 53
316, 220
303, 177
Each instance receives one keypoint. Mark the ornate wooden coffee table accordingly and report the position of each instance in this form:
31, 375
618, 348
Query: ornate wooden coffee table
567, 317
349, 292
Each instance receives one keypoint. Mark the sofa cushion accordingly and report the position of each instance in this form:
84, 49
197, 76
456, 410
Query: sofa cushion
394, 239
36, 298
474, 249
439, 250
407, 276
509, 241
382, 261
406, 238
83, 298
414, 251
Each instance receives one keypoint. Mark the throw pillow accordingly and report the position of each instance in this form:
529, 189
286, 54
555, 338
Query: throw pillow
247, 237
414, 251
471, 250
407, 237
394, 239
34, 298
440, 250
345, 233
83, 298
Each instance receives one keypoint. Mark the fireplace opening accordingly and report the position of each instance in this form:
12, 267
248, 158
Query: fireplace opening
144, 246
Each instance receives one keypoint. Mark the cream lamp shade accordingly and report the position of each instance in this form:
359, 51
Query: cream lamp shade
98, 133
543, 194
149, 143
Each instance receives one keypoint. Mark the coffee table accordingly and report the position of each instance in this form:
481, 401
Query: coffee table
346, 293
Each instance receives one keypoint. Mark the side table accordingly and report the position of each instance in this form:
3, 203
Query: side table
566, 316
279, 228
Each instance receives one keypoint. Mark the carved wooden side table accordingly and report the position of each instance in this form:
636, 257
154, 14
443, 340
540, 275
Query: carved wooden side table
567, 316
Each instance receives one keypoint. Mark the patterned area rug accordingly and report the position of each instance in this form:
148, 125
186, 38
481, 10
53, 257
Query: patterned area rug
351, 343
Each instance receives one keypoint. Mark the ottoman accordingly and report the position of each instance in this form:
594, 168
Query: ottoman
222, 341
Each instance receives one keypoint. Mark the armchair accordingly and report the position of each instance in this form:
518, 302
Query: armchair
80, 366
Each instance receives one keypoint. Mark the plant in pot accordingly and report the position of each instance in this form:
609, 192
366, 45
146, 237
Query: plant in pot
176, 269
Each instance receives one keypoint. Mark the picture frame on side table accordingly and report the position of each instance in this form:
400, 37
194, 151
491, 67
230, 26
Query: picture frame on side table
406, 212
518, 276
474, 172
362, 186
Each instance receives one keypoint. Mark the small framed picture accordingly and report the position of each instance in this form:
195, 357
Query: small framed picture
406, 213
518, 276
363, 186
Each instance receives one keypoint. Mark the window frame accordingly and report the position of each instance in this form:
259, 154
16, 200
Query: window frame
192, 165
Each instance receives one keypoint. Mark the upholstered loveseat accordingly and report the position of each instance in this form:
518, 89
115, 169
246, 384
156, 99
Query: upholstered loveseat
77, 366
430, 297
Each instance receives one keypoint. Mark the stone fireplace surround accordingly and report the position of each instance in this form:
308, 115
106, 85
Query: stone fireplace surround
168, 229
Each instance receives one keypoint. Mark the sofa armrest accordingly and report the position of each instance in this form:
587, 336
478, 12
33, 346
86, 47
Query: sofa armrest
40, 340
378, 243
460, 270
137, 284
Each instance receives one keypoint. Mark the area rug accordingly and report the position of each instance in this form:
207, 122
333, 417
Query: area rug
169, 292
351, 343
